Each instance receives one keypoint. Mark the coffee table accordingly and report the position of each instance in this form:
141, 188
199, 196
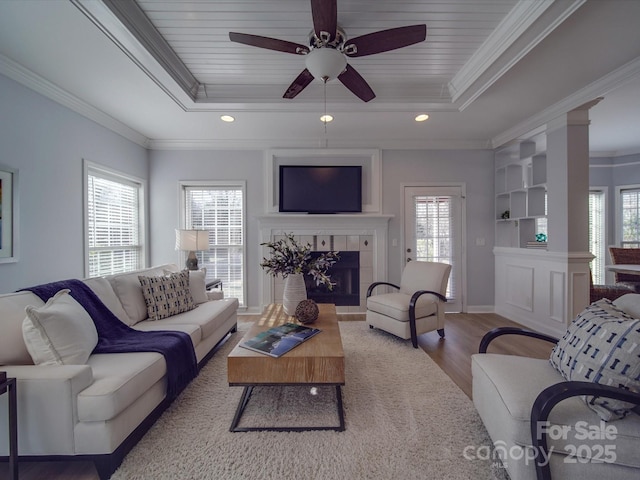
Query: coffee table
318, 361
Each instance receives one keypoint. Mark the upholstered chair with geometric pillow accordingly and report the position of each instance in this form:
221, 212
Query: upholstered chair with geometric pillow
626, 256
416, 306
574, 415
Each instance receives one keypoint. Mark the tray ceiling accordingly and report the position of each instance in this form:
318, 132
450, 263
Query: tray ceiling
489, 70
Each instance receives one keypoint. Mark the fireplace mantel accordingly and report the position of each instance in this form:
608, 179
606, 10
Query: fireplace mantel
374, 225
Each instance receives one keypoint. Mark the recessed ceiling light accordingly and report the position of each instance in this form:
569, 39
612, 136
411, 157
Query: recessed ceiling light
422, 117
227, 118
326, 118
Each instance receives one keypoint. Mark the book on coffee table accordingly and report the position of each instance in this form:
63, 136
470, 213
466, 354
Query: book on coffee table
279, 340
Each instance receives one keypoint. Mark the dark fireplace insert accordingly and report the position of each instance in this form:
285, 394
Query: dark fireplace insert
345, 274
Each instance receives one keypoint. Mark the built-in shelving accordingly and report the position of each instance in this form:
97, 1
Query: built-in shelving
521, 193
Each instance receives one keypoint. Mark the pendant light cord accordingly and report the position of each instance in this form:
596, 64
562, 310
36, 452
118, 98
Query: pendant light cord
326, 140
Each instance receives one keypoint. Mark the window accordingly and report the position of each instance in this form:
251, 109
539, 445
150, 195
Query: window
597, 239
114, 215
219, 208
630, 217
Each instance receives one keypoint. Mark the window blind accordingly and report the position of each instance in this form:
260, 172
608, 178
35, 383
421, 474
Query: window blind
113, 224
434, 233
220, 210
630, 217
597, 242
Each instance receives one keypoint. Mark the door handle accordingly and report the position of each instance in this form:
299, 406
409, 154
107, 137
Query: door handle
408, 259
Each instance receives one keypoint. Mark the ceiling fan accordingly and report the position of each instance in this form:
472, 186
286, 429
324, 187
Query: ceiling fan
328, 46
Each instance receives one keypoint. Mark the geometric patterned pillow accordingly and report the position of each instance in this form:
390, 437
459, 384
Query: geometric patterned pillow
167, 295
602, 345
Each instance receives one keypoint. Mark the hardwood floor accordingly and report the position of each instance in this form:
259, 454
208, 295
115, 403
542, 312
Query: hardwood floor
453, 354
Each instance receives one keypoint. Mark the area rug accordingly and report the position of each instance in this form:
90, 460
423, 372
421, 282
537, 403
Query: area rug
405, 419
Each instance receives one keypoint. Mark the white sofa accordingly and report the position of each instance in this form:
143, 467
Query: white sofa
513, 392
100, 409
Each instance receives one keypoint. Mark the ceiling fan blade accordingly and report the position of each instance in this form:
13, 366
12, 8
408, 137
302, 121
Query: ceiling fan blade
299, 84
325, 17
385, 40
351, 79
268, 43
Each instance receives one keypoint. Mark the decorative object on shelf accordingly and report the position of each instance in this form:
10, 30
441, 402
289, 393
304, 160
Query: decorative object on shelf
505, 215
541, 237
307, 311
292, 259
192, 241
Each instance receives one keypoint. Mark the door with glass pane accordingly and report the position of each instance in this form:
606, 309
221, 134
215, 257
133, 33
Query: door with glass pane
433, 233
220, 210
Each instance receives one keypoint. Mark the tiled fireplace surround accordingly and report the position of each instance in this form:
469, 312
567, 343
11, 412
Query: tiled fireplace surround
363, 233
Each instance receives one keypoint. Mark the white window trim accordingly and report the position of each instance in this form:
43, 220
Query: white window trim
619, 189
87, 168
239, 184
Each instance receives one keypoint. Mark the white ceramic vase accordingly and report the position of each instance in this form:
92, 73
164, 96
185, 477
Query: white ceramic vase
294, 292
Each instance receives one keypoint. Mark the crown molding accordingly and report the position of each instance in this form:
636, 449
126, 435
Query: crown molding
143, 45
44, 87
511, 30
592, 91
288, 143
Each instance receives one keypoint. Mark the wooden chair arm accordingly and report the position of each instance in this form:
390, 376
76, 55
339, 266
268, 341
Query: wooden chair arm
550, 397
419, 293
498, 332
375, 284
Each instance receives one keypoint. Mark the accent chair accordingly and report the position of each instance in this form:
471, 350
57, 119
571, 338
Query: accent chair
625, 256
416, 307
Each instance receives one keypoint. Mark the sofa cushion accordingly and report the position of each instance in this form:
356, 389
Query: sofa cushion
197, 284
103, 289
119, 379
190, 329
208, 316
129, 291
60, 332
396, 305
167, 295
601, 345
13, 350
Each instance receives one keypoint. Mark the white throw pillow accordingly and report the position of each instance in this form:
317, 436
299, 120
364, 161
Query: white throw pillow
630, 303
60, 332
197, 284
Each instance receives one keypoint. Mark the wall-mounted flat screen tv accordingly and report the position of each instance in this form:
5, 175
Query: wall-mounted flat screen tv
320, 189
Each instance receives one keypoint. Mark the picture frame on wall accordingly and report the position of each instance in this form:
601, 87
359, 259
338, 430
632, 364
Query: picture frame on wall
8, 214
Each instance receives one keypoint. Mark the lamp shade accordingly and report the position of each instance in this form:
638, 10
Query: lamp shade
192, 240
325, 63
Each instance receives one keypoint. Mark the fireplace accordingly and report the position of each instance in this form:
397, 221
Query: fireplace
345, 274
360, 238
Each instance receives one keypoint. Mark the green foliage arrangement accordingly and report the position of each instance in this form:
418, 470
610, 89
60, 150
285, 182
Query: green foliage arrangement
289, 257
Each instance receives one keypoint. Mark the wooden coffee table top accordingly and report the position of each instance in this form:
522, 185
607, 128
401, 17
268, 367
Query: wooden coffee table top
319, 360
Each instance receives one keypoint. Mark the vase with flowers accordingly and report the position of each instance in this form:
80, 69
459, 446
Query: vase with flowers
292, 260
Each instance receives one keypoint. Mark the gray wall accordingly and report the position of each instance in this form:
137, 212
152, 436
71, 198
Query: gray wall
46, 142
167, 168
474, 168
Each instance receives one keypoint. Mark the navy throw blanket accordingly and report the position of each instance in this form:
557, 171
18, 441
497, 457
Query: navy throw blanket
116, 337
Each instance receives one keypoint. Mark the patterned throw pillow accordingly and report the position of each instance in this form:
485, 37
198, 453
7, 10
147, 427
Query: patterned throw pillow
167, 295
602, 345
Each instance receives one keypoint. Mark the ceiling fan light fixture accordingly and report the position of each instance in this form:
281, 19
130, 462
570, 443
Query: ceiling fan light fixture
422, 117
325, 63
227, 118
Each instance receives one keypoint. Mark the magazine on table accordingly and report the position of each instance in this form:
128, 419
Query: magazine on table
279, 340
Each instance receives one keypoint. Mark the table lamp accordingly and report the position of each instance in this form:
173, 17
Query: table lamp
192, 241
